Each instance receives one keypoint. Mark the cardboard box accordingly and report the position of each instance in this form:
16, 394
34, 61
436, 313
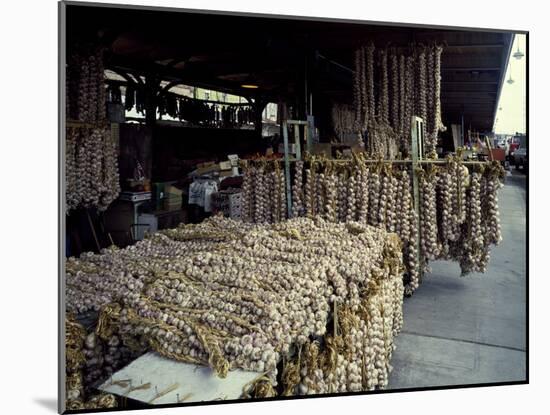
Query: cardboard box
207, 169
226, 173
225, 165
205, 164
498, 154
172, 198
173, 190
322, 149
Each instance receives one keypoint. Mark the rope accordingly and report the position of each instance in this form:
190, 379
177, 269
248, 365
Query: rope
259, 387
291, 375
107, 323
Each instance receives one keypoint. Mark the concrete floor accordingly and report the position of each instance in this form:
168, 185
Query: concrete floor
468, 330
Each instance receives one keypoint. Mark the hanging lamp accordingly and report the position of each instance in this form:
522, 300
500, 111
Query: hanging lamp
518, 54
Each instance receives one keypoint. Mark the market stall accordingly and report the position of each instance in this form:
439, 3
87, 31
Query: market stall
261, 255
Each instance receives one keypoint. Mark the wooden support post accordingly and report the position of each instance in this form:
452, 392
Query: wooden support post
152, 85
258, 106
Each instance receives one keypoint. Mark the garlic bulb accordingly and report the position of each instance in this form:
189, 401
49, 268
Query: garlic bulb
357, 90
357, 356
247, 194
414, 81
410, 86
428, 215
473, 252
403, 120
351, 203
384, 103
403, 225
383, 204
431, 132
362, 194
271, 197
91, 171
422, 91
438, 50
331, 197
343, 121
393, 209
445, 208
310, 185
374, 197
297, 191
369, 63
395, 121
281, 190
88, 361
260, 197
491, 220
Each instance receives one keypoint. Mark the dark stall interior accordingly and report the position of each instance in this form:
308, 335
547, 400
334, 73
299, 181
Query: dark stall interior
161, 72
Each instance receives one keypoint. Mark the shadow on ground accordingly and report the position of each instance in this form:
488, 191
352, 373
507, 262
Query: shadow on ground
48, 403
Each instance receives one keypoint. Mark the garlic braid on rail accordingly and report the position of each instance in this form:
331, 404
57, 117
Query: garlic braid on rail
297, 190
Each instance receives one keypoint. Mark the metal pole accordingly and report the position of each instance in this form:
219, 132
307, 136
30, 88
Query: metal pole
298, 151
287, 169
417, 128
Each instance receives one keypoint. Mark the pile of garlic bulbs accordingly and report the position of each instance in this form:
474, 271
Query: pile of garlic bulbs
106, 349
358, 357
76, 361
103, 358
229, 294
94, 280
75, 335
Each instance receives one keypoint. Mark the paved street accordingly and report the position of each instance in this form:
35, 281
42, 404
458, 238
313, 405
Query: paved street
465, 330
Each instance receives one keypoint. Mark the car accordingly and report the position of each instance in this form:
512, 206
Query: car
520, 158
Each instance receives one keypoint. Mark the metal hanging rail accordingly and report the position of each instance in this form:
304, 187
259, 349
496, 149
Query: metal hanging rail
372, 161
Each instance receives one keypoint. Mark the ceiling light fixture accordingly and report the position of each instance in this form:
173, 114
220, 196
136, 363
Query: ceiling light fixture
519, 54
250, 82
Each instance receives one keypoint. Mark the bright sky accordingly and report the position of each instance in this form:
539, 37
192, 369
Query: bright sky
511, 115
